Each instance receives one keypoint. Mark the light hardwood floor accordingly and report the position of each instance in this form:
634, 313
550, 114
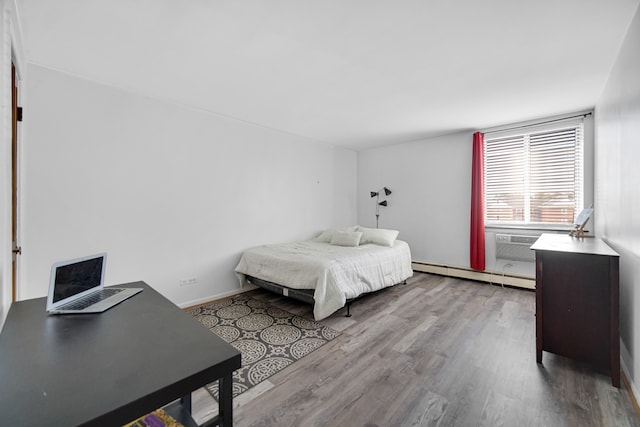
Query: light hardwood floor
437, 351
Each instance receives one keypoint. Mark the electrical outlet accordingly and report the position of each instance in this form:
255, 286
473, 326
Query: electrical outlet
188, 281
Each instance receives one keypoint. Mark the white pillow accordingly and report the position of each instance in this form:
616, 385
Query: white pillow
346, 238
326, 235
378, 236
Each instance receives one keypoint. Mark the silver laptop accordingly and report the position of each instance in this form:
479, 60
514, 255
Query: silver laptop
76, 286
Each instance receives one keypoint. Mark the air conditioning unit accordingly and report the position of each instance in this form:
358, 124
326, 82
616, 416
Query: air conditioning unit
515, 247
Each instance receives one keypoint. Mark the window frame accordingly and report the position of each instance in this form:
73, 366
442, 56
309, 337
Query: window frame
585, 178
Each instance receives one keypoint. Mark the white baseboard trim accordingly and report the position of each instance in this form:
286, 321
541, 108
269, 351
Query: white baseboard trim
624, 357
488, 276
211, 298
495, 277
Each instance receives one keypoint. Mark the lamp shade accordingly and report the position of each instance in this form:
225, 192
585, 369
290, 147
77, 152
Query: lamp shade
374, 193
386, 191
383, 203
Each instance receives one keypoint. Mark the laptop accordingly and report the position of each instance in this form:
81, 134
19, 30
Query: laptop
76, 286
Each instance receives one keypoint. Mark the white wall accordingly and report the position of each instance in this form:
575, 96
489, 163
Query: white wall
168, 192
617, 201
5, 167
431, 184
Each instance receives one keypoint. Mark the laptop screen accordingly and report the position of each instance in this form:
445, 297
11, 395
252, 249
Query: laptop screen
74, 279
78, 277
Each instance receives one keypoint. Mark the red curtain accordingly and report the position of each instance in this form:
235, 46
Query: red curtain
477, 260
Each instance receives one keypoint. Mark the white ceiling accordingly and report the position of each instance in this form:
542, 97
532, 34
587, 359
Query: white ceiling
354, 73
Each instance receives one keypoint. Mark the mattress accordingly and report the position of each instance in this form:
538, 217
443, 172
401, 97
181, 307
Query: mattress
335, 273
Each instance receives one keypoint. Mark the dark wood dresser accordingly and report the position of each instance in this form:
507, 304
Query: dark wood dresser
577, 301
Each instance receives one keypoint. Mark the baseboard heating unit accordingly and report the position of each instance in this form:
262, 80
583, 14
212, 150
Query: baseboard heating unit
495, 277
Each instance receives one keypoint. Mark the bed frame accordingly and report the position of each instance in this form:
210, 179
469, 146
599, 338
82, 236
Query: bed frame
304, 295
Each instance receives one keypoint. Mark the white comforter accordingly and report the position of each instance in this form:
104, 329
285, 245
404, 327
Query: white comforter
337, 273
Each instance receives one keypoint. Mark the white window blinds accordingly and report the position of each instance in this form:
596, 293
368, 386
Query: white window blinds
534, 178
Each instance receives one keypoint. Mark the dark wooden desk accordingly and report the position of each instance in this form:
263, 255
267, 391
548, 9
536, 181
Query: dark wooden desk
577, 301
110, 368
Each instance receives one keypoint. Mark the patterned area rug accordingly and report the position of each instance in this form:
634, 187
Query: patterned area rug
158, 418
269, 338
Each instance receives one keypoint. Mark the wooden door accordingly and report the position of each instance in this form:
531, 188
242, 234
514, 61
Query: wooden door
15, 117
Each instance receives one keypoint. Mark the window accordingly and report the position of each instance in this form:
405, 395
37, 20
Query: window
534, 178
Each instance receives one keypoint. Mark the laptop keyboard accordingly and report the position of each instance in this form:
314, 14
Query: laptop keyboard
85, 302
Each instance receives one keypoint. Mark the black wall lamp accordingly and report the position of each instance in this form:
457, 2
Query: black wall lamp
379, 203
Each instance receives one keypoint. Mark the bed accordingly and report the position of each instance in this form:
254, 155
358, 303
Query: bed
331, 270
